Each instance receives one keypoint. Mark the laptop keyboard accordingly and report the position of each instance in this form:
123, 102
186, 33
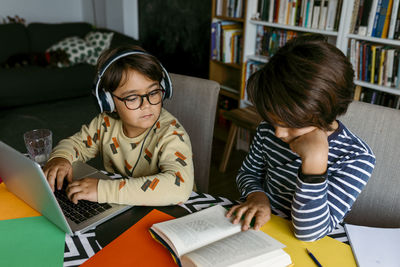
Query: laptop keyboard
81, 211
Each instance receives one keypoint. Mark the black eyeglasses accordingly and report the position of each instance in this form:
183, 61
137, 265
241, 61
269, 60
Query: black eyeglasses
133, 102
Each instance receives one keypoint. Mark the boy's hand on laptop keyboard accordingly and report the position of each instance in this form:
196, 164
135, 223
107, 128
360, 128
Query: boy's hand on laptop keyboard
58, 169
85, 189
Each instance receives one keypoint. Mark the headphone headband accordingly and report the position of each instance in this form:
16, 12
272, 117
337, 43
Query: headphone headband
104, 98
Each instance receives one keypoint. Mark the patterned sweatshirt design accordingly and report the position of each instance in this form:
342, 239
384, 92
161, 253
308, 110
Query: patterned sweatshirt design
164, 172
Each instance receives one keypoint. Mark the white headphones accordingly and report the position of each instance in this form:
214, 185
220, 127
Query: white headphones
104, 98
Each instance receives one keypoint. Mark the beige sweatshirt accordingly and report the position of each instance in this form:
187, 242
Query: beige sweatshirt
164, 173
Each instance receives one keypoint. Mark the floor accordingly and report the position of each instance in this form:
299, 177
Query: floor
224, 184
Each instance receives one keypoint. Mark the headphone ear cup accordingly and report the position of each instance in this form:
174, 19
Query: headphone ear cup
166, 84
106, 100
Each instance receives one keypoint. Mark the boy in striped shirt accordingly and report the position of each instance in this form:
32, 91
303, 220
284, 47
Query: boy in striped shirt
302, 160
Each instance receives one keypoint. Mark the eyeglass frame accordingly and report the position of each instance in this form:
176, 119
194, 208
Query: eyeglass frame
124, 99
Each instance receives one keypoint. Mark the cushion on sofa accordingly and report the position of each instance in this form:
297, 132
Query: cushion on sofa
40, 85
100, 41
84, 50
77, 49
44, 35
14, 40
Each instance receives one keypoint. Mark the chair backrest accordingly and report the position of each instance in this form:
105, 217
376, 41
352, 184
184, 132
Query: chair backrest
194, 104
379, 203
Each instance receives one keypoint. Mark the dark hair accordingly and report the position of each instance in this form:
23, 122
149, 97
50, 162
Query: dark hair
308, 82
116, 73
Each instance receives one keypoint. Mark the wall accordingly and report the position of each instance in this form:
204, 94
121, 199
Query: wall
118, 15
178, 33
43, 10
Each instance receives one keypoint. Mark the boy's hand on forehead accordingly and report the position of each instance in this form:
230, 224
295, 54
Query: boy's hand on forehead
313, 150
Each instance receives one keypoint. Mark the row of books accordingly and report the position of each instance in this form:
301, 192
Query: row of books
376, 18
229, 8
226, 41
315, 14
268, 40
375, 64
251, 67
379, 98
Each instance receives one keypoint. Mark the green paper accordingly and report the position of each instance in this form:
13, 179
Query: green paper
32, 241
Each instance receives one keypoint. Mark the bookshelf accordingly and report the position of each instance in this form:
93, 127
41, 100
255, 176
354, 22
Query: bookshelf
341, 32
233, 76
227, 72
377, 91
254, 20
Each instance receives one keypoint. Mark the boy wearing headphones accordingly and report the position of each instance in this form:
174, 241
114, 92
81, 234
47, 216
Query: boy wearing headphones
135, 136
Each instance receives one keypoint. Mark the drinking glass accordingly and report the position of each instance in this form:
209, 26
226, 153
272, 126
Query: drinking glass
39, 144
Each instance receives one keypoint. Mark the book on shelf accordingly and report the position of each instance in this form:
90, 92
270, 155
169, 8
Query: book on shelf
251, 67
214, 41
377, 97
376, 18
231, 45
308, 13
384, 253
331, 16
375, 64
364, 10
304, 13
339, 6
315, 14
380, 18
323, 14
271, 11
268, 40
208, 238
371, 17
226, 41
226, 8
355, 16
385, 30
393, 16
397, 26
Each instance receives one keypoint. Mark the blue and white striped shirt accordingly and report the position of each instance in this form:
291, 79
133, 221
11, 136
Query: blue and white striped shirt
315, 208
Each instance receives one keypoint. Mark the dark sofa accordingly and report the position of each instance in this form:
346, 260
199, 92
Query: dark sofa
45, 97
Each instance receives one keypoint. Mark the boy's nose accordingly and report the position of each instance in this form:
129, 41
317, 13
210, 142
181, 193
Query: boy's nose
281, 132
145, 103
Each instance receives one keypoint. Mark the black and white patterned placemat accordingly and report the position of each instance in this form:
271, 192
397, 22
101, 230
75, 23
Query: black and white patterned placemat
80, 248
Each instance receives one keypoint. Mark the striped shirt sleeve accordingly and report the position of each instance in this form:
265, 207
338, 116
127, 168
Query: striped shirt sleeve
318, 208
315, 208
251, 175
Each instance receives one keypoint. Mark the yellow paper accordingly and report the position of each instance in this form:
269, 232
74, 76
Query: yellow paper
11, 207
328, 251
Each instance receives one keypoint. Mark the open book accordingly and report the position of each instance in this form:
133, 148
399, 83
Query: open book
208, 238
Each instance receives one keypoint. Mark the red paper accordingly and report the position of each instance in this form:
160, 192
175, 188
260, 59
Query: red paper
135, 247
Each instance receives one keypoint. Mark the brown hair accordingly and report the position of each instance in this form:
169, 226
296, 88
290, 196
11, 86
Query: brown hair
308, 82
116, 73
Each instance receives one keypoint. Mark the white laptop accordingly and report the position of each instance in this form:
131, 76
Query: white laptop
25, 178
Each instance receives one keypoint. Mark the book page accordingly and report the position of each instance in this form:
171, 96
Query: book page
242, 249
197, 229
